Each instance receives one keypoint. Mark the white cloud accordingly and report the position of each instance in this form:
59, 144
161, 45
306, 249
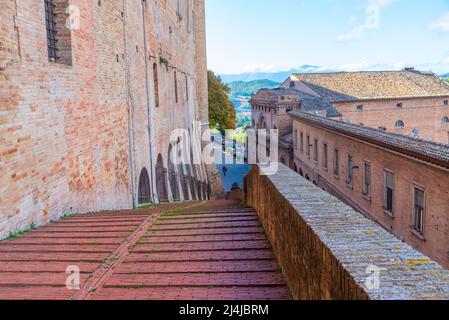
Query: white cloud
370, 66
372, 21
262, 68
442, 24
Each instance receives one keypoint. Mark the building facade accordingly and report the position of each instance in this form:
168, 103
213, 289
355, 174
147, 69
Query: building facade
399, 182
408, 102
90, 93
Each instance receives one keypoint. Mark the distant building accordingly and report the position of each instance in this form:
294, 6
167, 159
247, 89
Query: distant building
376, 140
408, 102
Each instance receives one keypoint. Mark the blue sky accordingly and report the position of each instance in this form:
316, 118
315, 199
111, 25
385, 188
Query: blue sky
273, 35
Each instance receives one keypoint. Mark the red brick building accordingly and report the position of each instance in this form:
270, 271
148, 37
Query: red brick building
89, 94
408, 102
366, 137
400, 182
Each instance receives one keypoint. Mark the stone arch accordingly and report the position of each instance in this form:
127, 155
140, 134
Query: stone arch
296, 168
307, 177
144, 193
184, 182
301, 172
262, 123
445, 121
161, 184
399, 124
172, 176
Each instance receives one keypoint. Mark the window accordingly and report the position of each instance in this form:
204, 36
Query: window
315, 150
350, 171
176, 86
400, 105
360, 108
325, 161
445, 121
418, 210
367, 179
308, 146
296, 138
446, 102
389, 192
59, 44
302, 142
292, 84
399, 124
336, 163
156, 85
51, 30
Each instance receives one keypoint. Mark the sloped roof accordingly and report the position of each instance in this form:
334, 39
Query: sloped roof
428, 151
311, 103
373, 85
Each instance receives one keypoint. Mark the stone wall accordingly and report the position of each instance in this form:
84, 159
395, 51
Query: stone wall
326, 249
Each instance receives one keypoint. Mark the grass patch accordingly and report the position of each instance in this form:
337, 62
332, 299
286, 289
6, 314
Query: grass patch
145, 206
13, 235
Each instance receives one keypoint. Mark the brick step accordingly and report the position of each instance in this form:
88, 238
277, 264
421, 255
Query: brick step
104, 224
96, 230
30, 279
207, 225
197, 267
212, 217
67, 241
208, 246
95, 220
35, 293
44, 266
208, 238
196, 280
51, 247
72, 235
201, 232
48, 256
166, 222
205, 213
240, 293
202, 256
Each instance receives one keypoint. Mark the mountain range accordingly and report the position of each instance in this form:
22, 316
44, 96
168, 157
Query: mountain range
246, 89
279, 76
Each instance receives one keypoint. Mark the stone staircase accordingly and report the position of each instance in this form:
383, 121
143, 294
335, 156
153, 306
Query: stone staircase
197, 251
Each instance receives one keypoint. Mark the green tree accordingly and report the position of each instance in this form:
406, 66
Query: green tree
222, 114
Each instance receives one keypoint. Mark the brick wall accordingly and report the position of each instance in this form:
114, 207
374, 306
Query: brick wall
422, 114
325, 248
74, 137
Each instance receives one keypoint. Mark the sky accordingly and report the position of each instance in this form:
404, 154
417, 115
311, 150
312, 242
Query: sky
342, 35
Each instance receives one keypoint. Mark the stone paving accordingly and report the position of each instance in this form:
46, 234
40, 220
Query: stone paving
213, 250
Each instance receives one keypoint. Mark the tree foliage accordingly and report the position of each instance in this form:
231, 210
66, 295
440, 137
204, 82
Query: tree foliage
222, 114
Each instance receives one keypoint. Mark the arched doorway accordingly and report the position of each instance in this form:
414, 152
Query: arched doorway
184, 182
172, 176
144, 195
160, 180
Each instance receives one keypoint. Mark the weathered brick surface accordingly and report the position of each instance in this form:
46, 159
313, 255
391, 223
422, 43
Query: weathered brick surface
68, 131
136, 265
325, 247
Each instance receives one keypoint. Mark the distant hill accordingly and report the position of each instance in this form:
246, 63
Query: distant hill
246, 89
273, 76
445, 76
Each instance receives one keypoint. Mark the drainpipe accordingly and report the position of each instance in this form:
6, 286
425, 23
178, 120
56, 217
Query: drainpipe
150, 111
130, 112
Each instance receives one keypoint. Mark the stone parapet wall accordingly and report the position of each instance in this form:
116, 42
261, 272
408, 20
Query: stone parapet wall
326, 249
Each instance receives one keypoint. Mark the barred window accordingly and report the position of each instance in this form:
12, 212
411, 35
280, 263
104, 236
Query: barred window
418, 211
60, 19
50, 20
